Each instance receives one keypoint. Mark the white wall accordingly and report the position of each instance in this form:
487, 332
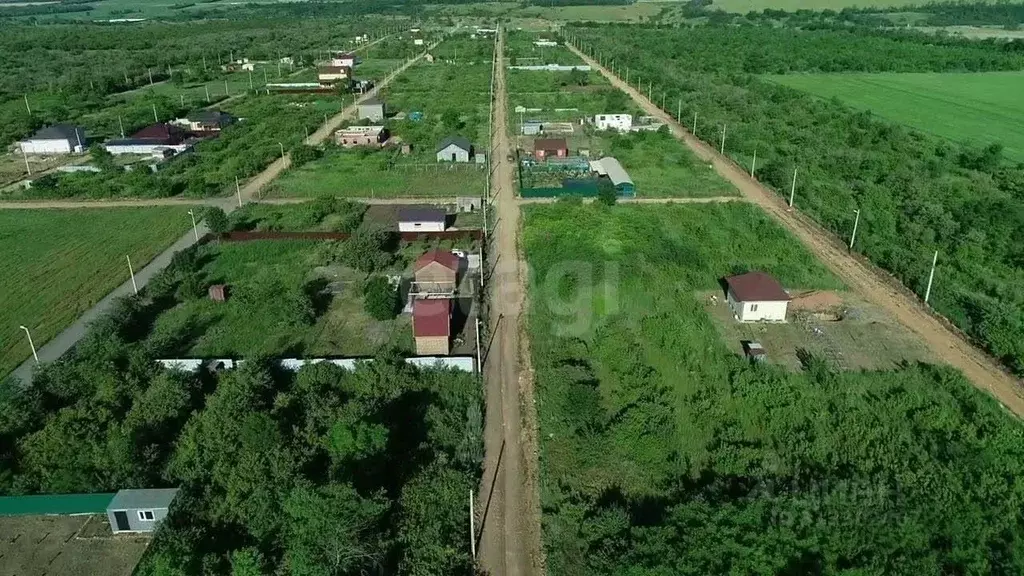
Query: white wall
49, 147
445, 154
116, 149
350, 62
421, 226
771, 311
620, 122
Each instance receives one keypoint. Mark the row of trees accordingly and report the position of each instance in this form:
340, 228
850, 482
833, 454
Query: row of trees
917, 193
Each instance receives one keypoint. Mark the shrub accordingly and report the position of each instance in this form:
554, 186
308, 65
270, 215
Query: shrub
380, 298
216, 220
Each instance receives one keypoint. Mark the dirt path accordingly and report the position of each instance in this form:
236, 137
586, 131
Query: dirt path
509, 507
704, 200
870, 282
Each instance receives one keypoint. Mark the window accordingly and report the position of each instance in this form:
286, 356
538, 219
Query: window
146, 515
753, 307
417, 224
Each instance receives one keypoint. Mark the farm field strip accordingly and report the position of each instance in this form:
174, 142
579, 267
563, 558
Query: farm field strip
867, 280
979, 107
59, 263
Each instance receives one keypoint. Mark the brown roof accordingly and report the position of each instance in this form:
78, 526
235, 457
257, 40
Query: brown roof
756, 287
550, 144
164, 133
334, 70
446, 259
431, 317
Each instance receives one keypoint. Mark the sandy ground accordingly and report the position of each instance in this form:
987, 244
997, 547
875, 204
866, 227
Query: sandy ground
869, 282
58, 546
509, 510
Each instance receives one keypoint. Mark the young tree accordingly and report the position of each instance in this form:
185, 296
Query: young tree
216, 220
303, 154
380, 298
606, 192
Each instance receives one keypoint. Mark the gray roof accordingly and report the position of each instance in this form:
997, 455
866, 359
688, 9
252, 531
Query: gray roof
210, 116
371, 102
61, 132
459, 141
616, 173
144, 499
422, 215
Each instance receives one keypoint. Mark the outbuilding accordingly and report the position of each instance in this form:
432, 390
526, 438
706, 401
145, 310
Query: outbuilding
619, 122
454, 149
432, 326
361, 136
611, 168
329, 75
139, 510
756, 297
550, 148
371, 109
151, 139
56, 139
422, 220
436, 273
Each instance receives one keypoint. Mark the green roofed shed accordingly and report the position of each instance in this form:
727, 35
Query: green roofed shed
55, 504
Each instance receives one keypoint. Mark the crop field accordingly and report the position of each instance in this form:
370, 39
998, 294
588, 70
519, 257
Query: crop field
423, 110
58, 263
662, 448
981, 107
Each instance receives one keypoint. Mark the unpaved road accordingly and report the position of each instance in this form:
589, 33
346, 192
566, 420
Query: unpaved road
60, 344
509, 509
870, 282
704, 200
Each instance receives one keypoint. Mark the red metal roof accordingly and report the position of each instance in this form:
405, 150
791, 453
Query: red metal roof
334, 70
164, 133
550, 144
431, 317
756, 287
446, 259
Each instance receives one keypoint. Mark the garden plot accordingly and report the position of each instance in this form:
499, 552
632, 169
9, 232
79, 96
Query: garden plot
66, 546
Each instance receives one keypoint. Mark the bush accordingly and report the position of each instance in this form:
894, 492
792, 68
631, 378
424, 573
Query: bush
216, 220
303, 154
370, 250
380, 298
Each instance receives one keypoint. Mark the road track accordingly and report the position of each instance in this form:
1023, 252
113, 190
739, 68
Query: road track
864, 278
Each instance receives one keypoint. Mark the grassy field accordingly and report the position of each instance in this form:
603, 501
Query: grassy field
744, 6
979, 107
58, 263
662, 450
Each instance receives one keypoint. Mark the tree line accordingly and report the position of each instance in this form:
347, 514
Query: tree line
917, 193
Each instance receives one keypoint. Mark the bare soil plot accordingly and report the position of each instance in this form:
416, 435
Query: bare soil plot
66, 546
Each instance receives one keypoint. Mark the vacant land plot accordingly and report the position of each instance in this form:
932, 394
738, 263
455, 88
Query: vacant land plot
981, 108
744, 6
54, 546
58, 263
662, 448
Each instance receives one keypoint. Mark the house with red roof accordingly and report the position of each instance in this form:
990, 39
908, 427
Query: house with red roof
436, 272
432, 326
756, 297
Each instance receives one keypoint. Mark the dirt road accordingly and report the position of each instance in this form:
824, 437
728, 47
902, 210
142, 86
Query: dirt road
704, 200
870, 282
509, 510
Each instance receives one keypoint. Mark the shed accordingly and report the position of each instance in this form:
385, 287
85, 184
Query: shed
422, 220
756, 297
219, 292
611, 168
454, 149
56, 139
436, 272
532, 127
619, 122
548, 147
432, 326
139, 510
469, 203
371, 109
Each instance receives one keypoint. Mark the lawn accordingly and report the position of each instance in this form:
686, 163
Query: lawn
664, 451
58, 263
982, 107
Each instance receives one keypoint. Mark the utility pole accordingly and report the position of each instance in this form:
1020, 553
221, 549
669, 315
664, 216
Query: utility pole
150, 72
856, 221
694, 123
792, 190
204, 62
195, 229
282, 149
627, 75
650, 87
225, 87
207, 88
250, 79
679, 111
121, 124
182, 98
27, 107
155, 117
931, 276
753, 163
132, 272
238, 192
25, 155
472, 521
722, 150
31, 344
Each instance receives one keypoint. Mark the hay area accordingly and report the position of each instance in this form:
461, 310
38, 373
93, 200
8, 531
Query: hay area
66, 546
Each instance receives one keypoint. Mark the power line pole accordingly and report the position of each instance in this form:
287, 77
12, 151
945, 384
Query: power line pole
792, 189
132, 272
25, 156
238, 192
679, 111
695, 124
856, 220
722, 149
207, 88
931, 276
472, 521
121, 124
155, 117
753, 163
27, 107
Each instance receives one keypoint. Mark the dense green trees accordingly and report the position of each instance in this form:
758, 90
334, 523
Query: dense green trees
917, 193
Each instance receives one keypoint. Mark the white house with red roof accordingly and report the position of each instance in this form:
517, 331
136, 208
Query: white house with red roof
756, 297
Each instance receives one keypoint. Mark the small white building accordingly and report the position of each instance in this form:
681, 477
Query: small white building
332, 74
544, 42
139, 510
417, 42
756, 297
422, 220
345, 59
56, 139
454, 149
372, 109
619, 122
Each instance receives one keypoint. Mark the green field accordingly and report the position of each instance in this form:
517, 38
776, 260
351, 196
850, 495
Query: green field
980, 107
662, 451
58, 263
744, 6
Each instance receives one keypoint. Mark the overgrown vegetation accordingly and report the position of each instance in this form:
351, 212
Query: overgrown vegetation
662, 452
916, 193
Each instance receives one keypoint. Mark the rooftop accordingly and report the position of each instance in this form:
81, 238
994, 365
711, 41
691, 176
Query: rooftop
616, 173
756, 287
446, 259
431, 317
161, 132
549, 144
371, 101
67, 132
459, 141
422, 215
142, 498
